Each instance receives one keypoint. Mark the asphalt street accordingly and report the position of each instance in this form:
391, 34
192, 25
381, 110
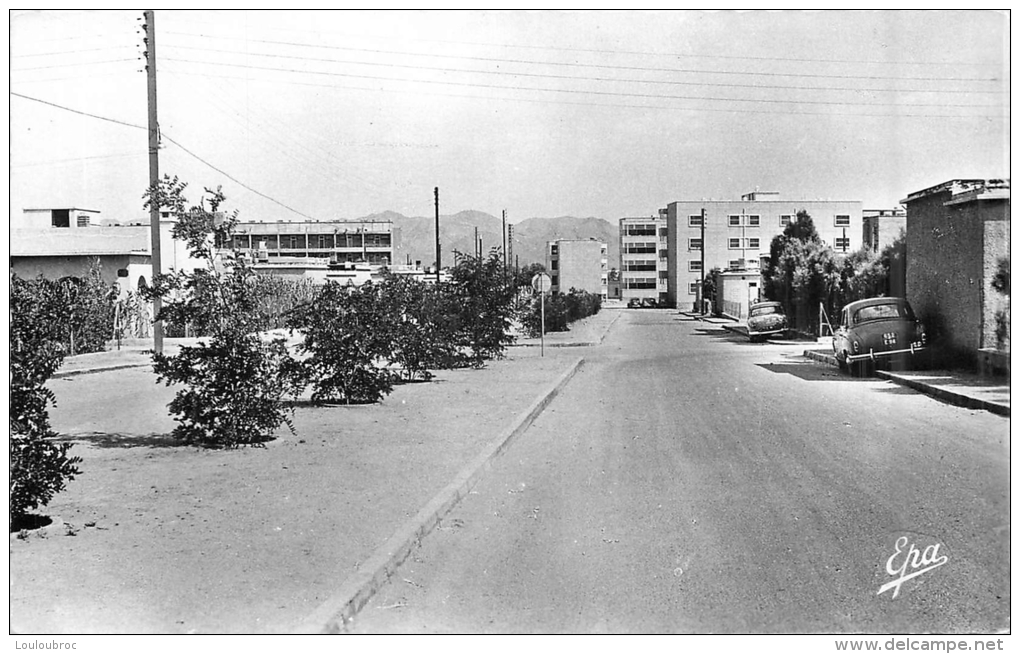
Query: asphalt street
689, 481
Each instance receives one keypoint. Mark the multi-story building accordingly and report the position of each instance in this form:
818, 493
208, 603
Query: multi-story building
643, 258
372, 242
733, 235
957, 232
579, 264
882, 227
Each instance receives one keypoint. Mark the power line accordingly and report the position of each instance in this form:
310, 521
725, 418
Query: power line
611, 105
75, 63
644, 53
587, 78
76, 111
581, 92
66, 52
164, 135
234, 179
589, 65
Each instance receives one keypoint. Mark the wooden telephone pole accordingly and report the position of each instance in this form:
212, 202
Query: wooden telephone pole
438, 251
156, 255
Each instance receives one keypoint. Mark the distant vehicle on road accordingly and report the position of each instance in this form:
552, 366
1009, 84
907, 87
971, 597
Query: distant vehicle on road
649, 302
634, 303
766, 319
875, 331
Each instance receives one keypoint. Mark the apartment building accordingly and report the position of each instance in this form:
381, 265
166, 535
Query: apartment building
643, 257
882, 227
579, 264
372, 242
736, 235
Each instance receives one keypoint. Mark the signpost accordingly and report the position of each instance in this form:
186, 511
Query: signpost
542, 283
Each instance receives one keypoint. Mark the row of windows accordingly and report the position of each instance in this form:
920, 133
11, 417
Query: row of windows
754, 220
640, 265
640, 248
639, 282
311, 241
752, 243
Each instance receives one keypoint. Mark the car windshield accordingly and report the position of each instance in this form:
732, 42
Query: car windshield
882, 312
764, 311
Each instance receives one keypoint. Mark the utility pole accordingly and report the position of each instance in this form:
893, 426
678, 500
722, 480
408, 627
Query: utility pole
438, 251
478, 252
156, 256
504, 246
701, 288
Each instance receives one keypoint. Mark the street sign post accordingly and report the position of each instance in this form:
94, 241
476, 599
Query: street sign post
542, 283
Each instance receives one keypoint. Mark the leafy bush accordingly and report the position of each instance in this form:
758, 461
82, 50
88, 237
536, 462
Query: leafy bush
235, 383
485, 301
39, 468
423, 321
1001, 283
560, 311
347, 337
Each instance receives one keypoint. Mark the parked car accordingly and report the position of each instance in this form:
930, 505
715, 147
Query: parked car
633, 303
766, 319
649, 302
875, 331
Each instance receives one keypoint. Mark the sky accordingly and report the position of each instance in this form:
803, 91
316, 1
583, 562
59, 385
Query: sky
341, 114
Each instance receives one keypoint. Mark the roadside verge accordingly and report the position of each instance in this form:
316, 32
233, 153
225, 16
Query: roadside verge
354, 593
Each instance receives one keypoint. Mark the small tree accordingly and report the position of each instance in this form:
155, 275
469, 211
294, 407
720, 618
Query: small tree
1000, 282
486, 305
347, 337
39, 468
234, 383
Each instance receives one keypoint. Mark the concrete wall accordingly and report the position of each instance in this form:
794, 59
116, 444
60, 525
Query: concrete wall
137, 267
736, 292
578, 264
952, 254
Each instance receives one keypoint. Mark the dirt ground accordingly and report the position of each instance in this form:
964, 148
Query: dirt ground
155, 537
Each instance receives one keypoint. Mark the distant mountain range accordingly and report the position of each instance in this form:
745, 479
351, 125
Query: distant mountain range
457, 232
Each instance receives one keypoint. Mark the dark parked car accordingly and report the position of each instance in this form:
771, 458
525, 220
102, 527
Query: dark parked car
766, 319
648, 302
875, 331
633, 303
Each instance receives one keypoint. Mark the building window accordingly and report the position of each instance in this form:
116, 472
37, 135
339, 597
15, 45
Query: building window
83, 220
694, 220
555, 264
734, 220
663, 254
753, 220
664, 232
694, 266
640, 282
785, 219
694, 244
554, 249
61, 218
734, 264
842, 243
292, 241
734, 243
692, 288
753, 243
663, 275
641, 230
555, 280
842, 220
642, 265
639, 248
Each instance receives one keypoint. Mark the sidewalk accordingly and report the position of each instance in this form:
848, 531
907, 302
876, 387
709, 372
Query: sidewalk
586, 332
954, 387
154, 537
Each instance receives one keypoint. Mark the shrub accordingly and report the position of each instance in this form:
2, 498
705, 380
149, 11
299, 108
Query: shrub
560, 311
235, 382
485, 301
347, 339
39, 468
422, 321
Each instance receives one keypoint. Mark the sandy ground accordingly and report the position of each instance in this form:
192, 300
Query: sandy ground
155, 537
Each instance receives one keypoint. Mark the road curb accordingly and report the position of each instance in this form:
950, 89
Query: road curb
335, 613
822, 357
91, 371
950, 397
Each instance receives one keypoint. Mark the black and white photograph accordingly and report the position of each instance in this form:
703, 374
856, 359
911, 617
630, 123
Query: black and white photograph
685, 323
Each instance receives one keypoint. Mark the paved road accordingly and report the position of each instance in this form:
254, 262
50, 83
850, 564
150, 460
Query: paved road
689, 481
